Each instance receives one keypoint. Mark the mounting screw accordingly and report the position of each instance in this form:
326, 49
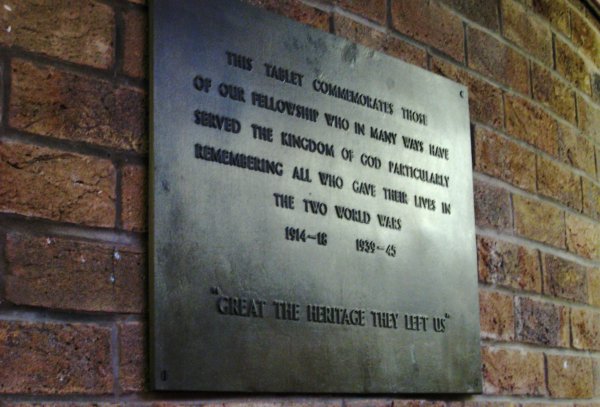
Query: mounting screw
462, 94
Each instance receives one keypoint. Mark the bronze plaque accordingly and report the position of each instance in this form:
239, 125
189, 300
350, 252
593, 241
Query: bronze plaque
311, 213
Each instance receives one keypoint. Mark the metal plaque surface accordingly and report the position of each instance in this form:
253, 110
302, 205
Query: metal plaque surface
312, 225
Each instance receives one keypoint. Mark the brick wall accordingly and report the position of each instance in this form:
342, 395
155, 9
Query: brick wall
73, 162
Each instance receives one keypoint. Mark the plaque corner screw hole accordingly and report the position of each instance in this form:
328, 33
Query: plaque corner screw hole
163, 375
462, 94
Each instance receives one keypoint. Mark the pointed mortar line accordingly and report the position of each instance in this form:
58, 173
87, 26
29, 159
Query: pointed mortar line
16, 52
43, 227
17, 313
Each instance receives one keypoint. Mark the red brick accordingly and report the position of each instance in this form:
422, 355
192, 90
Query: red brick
527, 32
135, 198
68, 274
504, 159
295, 10
594, 287
135, 43
433, 403
571, 66
558, 183
539, 221
541, 323
230, 402
485, 100
531, 124
485, 403
497, 60
492, 207
406, 403
507, 265
246, 403
591, 199
578, 4
59, 404
132, 356
596, 370
515, 372
598, 162
545, 404
585, 327
484, 12
596, 87
569, 376
52, 358
555, 11
590, 17
595, 79
74, 404
79, 32
3, 89
583, 236
427, 21
496, 316
56, 185
589, 120
372, 9
576, 150
586, 37
317, 403
553, 93
564, 279
55, 103
379, 41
